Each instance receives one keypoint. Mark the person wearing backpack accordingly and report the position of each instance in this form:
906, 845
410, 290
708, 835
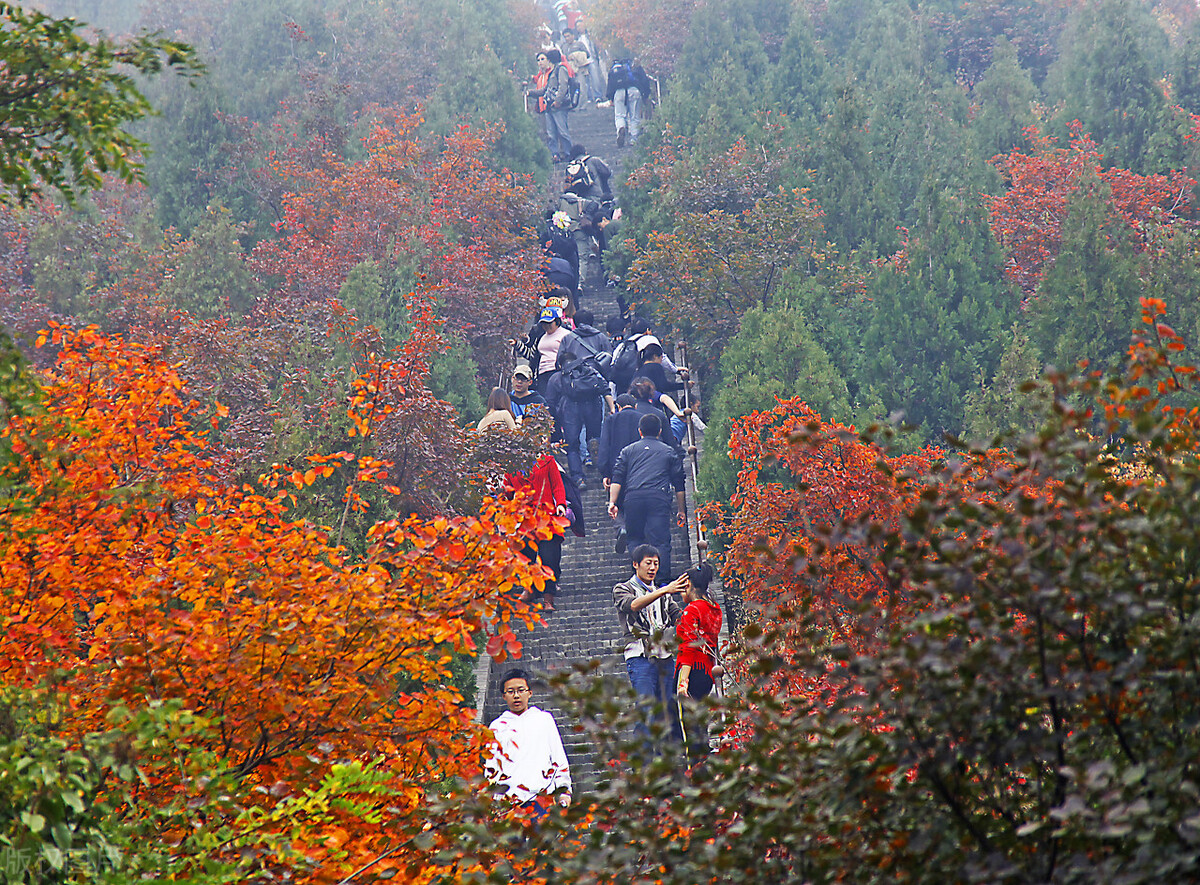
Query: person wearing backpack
628, 87
587, 176
582, 358
627, 357
553, 94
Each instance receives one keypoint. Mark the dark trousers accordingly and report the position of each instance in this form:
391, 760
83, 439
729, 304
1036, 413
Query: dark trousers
542, 381
693, 723
549, 554
578, 414
654, 680
648, 521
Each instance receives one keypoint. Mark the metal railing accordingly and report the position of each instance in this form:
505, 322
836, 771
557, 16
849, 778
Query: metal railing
693, 452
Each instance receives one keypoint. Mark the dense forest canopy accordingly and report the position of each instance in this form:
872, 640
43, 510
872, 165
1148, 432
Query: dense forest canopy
937, 183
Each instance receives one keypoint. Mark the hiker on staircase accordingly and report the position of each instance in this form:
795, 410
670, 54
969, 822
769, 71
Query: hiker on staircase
540, 346
648, 615
595, 73
643, 477
580, 57
552, 89
583, 410
628, 88
528, 764
587, 176
546, 484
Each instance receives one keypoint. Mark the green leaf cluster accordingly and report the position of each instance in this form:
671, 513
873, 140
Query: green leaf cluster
66, 101
79, 811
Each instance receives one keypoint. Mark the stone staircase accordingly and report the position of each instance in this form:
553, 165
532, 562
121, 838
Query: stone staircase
584, 630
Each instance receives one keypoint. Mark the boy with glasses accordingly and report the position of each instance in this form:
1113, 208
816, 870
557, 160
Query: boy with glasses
529, 764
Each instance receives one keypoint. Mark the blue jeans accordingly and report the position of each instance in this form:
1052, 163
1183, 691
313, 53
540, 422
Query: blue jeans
580, 417
648, 521
655, 678
558, 136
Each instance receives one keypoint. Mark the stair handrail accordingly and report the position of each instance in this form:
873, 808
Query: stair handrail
693, 449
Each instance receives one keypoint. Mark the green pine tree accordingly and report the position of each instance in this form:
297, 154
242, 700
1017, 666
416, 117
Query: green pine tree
718, 30
800, 82
1105, 79
1004, 103
1185, 72
1013, 403
773, 355
211, 277
375, 298
1087, 303
913, 357
477, 90
859, 198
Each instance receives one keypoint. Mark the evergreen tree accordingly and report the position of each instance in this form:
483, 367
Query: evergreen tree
1173, 275
1004, 103
842, 23
913, 357
954, 256
189, 146
916, 114
477, 90
800, 82
1008, 407
211, 278
1185, 72
936, 318
1105, 80
773, 355
858, 197
264, 47
376, 300
1087, 303
718, 30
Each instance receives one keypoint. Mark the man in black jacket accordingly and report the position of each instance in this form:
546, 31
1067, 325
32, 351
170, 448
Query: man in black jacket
645, 472
619, 430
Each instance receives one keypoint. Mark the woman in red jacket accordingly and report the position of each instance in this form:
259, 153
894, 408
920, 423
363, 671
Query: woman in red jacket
545, 480
698, 631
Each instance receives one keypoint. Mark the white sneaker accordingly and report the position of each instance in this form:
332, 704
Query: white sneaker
604, 104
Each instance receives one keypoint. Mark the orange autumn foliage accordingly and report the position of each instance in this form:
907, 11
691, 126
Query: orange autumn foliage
433, 206
1027, 218
132, 572
801, 480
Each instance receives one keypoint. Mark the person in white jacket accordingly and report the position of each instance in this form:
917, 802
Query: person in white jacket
528, 763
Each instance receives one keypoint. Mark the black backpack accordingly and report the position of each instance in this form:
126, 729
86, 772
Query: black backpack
624, 365
583, 380
620, 76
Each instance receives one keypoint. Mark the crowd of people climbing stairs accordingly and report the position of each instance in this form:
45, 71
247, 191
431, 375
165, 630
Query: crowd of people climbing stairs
620, 418
573, 70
